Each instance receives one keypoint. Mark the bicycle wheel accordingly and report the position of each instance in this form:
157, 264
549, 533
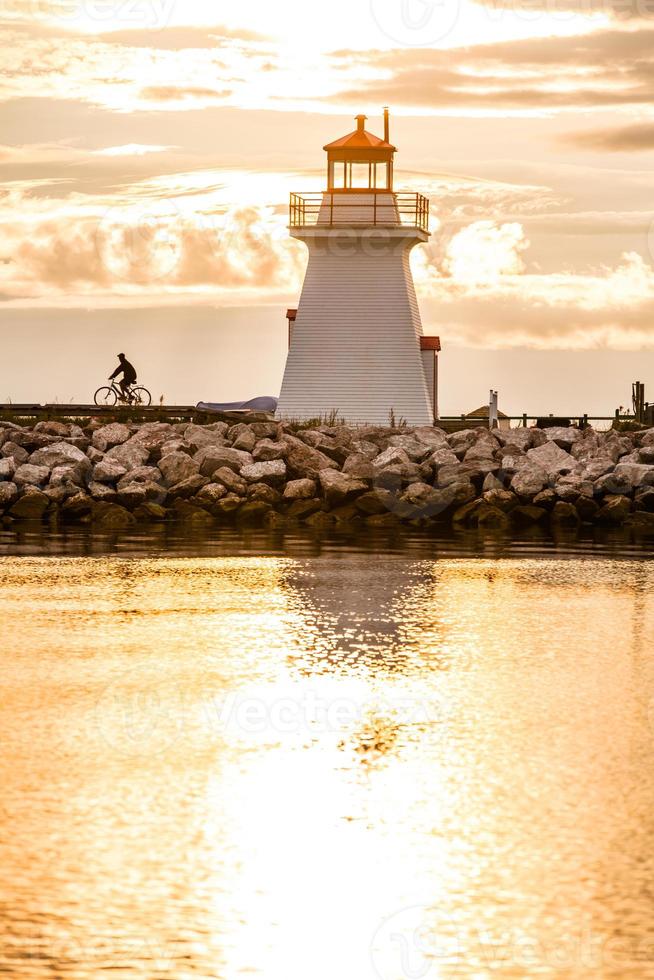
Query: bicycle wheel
105, 397
141, 396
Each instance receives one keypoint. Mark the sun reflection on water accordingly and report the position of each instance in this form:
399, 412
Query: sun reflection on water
363, 767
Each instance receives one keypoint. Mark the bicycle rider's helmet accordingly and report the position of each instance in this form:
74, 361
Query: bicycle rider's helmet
121, 357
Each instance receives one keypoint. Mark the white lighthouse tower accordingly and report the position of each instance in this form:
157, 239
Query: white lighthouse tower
356, 344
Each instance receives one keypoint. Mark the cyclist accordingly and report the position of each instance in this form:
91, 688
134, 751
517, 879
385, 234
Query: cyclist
129, 375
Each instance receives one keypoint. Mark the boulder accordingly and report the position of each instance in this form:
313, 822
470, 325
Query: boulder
304, 462
273, 472
565, 438
218, 457
300, 510
142, 474
8, 493
100, 491
616, 510
443, 457
482, 450
422, 501
202, 437
7, 468
245, 441
108, 471
529, 481
587, 509
432, 437
265, 430
455, 473
94, 456
359, 467
53, 428
62, 475
595, 468
460, 442
253, 512
227, 506
491, 482
131, 454
132, 495
501, 499
376, 502
546, 499
188, 488
10, 450
493, 519
267, 450
150, 512
338, 488
231, 481
77, 507
31, 506
415, 449
646, 455
468, 514
645, 499
112, 517
552, 459
60, 454
362, 447
30, 475
641, 520
612, 484
393, 456
526, 514
109, 436
638, 474
564, 515
300, 490
261, 491
177, 467
211, 494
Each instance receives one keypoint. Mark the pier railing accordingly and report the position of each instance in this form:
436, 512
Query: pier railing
367, 207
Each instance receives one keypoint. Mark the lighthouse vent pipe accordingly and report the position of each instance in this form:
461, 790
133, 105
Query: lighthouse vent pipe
387, 125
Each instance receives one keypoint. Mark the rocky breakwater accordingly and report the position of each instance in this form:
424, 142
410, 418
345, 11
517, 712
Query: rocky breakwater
273, 473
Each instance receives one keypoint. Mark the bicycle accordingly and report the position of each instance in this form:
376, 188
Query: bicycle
108, 396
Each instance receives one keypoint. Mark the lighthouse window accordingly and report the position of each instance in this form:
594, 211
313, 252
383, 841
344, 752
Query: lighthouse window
381, 176
360, 175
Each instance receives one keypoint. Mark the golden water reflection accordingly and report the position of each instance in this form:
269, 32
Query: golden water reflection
369, 768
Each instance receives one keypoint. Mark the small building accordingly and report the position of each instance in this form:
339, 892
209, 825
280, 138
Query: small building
356, 344
481, 414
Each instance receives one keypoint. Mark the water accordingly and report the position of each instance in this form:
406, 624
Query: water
312, 758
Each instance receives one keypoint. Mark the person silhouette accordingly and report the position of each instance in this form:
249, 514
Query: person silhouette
129, 375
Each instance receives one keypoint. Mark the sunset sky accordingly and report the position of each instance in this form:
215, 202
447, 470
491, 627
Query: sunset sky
148, 147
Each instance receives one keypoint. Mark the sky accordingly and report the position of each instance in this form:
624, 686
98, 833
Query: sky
148, 148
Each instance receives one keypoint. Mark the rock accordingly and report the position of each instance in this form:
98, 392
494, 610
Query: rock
526, 514
188, 488
529, 481
8, 493
301, 509
246, 441
456, 473
612, 484
300, 490
202, 437
415, 449
211, 494
552, 459
273, 472
132, 495
63, 475
265, 493
376, 502
570, 487
492, 518
382, 520
150, 512
253, 512
501, 499
108, 471
267, 450
645, 499
480, 451
595, 468
359, 467
60, 454
30, 475
564, 515
131, 455
361, 447
109, 436
422, 501
468, 514
491, 482
216, 458
338, 488
546, 499
443, 457
31, 506
616, 510
7, 468
638, 474
434, 438
94, 456
303, 462
565, 438
142, 474
101, 492
53, 428
320, 519
265, 430
231, 480
12, 451
77, 507
646, 455
177, 467
393, 456
460, 442
460, 493
513, 463
587, 509
112, 517
228, 505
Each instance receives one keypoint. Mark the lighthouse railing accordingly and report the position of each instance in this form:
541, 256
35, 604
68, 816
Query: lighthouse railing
380, 208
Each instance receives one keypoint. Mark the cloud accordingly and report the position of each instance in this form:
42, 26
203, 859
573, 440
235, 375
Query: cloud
624, 139
484, 252
181, 38
131, 150
621, 10
172, 93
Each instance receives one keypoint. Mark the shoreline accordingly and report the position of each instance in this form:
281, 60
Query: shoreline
274, 475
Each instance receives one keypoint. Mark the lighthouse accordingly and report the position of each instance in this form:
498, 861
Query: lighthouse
356, 340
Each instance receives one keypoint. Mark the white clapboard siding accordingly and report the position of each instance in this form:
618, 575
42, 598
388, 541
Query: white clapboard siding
359, 209
356, 339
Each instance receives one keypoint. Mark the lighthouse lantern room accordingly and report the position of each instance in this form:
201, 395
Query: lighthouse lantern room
356, 344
